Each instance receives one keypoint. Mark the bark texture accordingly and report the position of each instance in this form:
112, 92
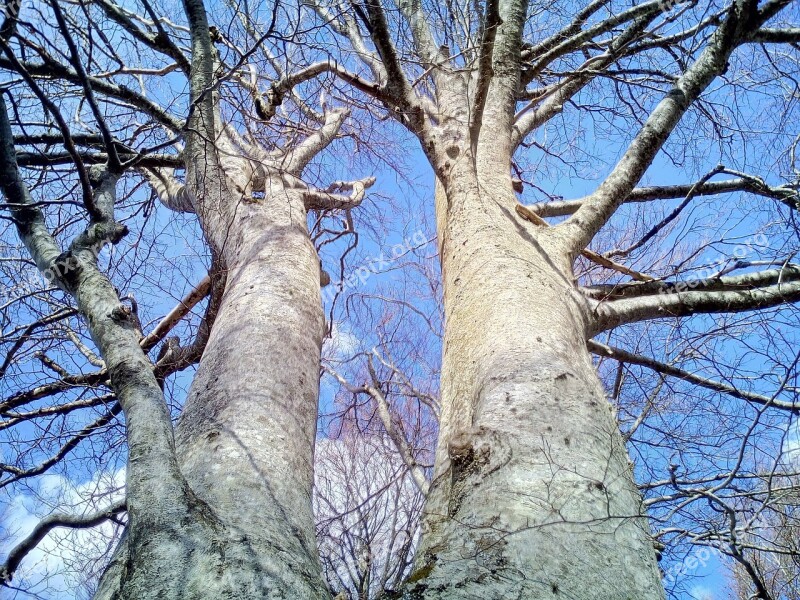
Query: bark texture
532, 495
246, 435
244, 443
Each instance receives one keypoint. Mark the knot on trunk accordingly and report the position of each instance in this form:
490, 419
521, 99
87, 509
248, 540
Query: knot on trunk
474, 455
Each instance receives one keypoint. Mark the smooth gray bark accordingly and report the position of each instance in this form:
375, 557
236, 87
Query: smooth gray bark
245, 438
532, 494
244, 442
246, 435
167, 524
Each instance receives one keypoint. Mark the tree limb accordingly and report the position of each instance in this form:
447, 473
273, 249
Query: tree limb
582, 226
183, 308
552, 101
789, 272
571, 38
730, 294
328, 200
149, 428
159, 42
397, 86
596, 258
659, 367
53, 69
40, 159
786, 195
490, 24
776, 36
45, 526
18, 474
297, 159
173, 194
385, 415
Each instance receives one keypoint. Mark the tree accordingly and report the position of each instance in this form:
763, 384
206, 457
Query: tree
532, 492
251, 409
529, 454
367, 508
771, 546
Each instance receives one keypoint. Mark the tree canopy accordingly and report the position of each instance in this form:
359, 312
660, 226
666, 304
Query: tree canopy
626, 171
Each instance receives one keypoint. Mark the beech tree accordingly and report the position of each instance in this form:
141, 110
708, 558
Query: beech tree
367, 507
772, 549
250, 415
531, 483
532, 492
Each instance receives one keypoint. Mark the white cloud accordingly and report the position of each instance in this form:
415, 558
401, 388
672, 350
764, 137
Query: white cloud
341, 344
65, 561
702, 593
791, 447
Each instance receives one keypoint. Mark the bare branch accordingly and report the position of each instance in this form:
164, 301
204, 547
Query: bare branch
385, 415
329, 200
596, 258
200, 291
160, 42
49, 389
21, 550
407, 107
786, 195
751, 291
717, 283
40, 159
297, 159
266, 106
490, 24
659, 367
52, 69
26, 335
655, 229
149, 429
571, 38
18, 474
581, 227
75, 59
50, 107
173, 194
552, 101
776, 36
424, 42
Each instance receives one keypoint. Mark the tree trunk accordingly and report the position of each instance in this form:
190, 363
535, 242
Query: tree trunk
532, 494
244, 443
245, 439
246, 435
